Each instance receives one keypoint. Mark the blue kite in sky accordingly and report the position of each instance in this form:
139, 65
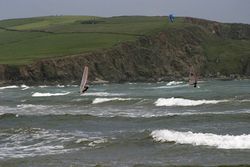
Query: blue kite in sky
171, 18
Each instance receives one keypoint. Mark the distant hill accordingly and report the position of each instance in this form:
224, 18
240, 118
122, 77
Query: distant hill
125, 48
25, 40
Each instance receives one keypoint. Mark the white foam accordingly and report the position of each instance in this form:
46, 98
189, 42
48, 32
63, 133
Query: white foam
24, 87
37, 94
206, 139
14, 145
22, 143
60, 86
243, 101
43, 86
25, 106
174, 83
172, 86
184, 102
102, 94
97, 141
8, 87
103, 100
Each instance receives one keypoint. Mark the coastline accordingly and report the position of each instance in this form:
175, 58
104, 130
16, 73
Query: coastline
100, 81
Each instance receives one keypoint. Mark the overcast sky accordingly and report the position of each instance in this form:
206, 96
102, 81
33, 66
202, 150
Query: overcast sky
218, 10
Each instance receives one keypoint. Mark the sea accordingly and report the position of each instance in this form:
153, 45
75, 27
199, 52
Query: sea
126, 125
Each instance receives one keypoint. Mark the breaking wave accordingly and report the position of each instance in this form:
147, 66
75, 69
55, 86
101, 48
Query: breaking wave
103, 100
102, 94
184, 102
30, 142
205, 139
174, 83
43, 86
8, 87
24, 87
37, 94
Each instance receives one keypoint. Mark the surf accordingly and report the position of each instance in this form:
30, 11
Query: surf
103, 100
184, 102
8, 87
203, 139
37, 94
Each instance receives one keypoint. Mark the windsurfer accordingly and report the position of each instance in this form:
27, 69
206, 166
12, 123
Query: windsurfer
85, 88
192, 77
195, 84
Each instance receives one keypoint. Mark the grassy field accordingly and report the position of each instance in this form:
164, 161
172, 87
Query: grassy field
226, 55
21, 43
25, 40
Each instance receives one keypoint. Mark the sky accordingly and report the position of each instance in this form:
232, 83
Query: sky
229, 11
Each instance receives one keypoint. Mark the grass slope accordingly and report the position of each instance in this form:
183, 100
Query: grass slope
21, 42
227, 55
25, 40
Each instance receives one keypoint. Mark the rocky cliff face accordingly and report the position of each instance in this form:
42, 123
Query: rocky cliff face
164, 56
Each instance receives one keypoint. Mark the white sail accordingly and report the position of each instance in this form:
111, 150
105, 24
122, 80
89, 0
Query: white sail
84, 78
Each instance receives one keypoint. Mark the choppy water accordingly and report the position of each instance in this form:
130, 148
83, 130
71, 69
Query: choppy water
148, 124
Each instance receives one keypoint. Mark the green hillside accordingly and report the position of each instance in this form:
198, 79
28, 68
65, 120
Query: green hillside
227, 55
25, 40
225, 46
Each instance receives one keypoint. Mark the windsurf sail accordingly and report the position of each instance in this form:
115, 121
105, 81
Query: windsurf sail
192, 76
84, 78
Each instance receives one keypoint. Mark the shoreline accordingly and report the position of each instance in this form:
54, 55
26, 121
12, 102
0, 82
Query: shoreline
100, 81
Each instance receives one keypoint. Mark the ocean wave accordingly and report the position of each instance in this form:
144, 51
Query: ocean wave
102, 94
103, 100
92, 141
184, 102
172, 86
24, 87
8, 87
205, 113
25, 106
36, 110
205, 139
37, 94
244, 101
174, 83
30, 142
72, 85
43, 86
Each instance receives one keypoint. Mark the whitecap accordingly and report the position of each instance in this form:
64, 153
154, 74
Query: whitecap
174, 83
25, 106
37, 94
102, 94
184, 102
102, 100
24, 87
37, 142
97, 141
43, 86
8, 87
205, 139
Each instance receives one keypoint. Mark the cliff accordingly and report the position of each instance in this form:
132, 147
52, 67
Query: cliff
214, 49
